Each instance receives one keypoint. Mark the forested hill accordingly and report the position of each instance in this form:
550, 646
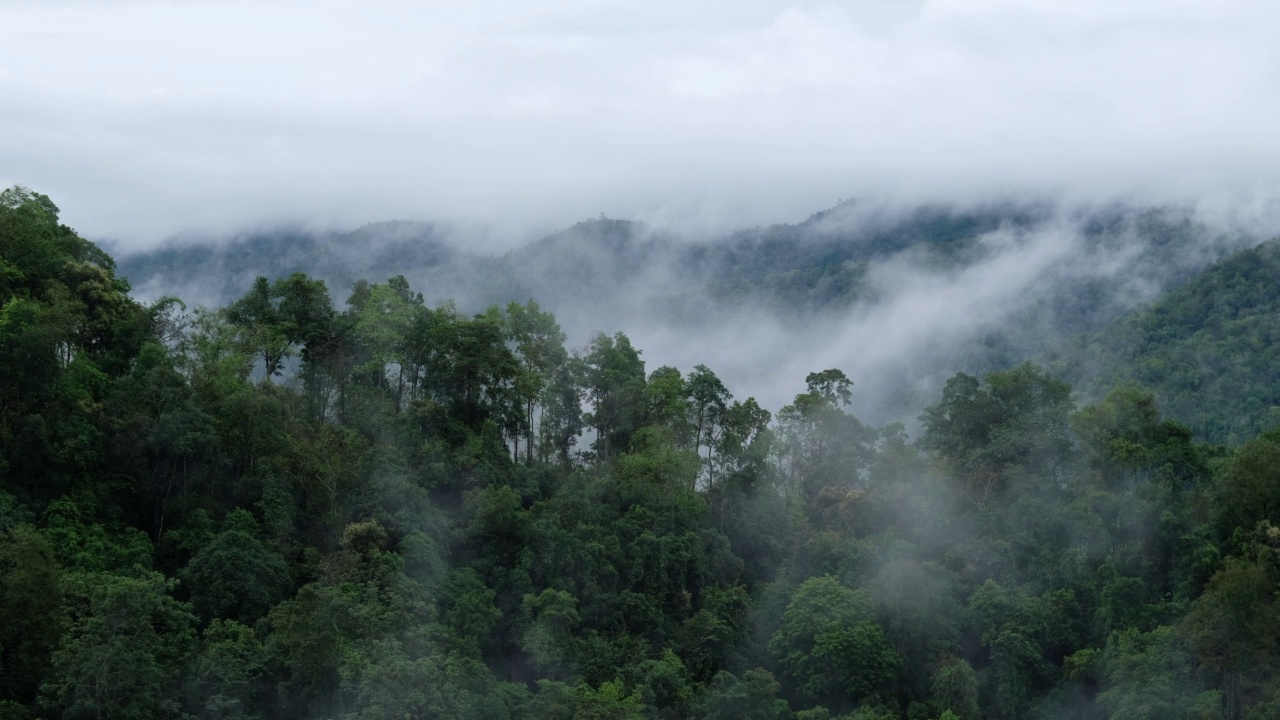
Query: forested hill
447, 514
796, 269
804, 267
902, 297
1210, 350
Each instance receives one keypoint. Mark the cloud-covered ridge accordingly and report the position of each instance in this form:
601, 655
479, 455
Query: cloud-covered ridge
148, 118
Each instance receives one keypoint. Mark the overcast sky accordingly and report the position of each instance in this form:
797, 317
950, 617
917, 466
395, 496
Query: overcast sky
143, 119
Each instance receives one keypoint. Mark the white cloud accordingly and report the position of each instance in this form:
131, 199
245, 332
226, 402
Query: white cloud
144, 118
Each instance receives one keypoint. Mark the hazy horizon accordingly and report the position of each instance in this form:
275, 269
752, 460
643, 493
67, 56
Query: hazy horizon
153, 119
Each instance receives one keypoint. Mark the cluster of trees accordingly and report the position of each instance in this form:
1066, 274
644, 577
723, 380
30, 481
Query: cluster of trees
284, 509
1210, 349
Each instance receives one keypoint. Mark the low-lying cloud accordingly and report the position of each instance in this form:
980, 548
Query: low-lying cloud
921, 307
147, 118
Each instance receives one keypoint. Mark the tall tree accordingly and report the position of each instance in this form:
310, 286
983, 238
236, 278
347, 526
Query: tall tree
820, 445
614, 379
708, 403
1015, 422
539, 345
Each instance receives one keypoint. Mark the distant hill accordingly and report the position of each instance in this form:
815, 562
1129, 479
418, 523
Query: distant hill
815, 265
828, 275
216, 270
1210, 349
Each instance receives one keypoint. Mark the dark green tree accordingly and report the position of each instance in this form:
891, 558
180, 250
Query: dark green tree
126, 649
829, 645
236, 576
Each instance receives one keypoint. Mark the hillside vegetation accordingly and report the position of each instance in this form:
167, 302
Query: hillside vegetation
1209, 350
840, 272
447, 514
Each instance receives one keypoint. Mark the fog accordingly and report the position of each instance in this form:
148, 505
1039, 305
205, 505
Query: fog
1026, 281
163, 125
146, 119
902, 190
918, 323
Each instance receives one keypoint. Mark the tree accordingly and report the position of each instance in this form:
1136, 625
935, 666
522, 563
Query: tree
1015, 422
32, 613
260, 325
1013, 626
744, 441
614, 379
1148, 675
558, 701
384, 318
226, 673
708, 404
918, 607
552, 618
469, 369
954, 689
829, 645
832, 385
236, 576
467, 609
818, 444
389, 681
540, 346
126, 649
303, 638
755, 697
666, 403
1248, 487
1127, 442
562, 418
1234, 627
273, 317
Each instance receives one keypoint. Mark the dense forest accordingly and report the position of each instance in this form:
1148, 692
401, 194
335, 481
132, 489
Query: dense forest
386, 508
1210, 349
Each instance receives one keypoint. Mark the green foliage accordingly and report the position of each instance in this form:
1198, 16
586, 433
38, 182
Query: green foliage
954, 690
1207, 349
557, 701
613, 376
236, 576
1148, 673
396, 522
32, 612
305, 638
818, 445
754, 697
1248, 487
1233, 628
126, 648
273, 317
829, 644
93, 547
1013, 425
226, 672
1014, 628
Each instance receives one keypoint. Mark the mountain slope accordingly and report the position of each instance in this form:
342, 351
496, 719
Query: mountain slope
1210, 349
901, 298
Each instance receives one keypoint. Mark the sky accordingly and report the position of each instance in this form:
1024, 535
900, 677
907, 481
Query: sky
147, 119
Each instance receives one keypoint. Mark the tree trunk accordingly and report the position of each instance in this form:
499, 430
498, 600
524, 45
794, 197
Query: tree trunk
1231, 695
528, 446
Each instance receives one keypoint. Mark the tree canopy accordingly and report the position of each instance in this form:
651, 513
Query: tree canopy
297, 507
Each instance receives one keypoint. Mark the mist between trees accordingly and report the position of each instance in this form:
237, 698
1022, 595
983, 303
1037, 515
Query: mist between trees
449, 514
898, 296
